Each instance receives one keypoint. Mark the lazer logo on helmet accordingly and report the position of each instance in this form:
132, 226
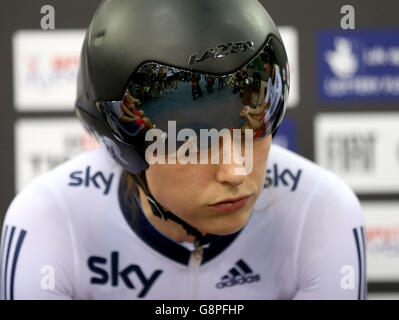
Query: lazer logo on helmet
221, 51
113, 273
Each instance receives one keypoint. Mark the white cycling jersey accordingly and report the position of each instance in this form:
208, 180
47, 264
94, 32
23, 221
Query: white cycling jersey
66, 236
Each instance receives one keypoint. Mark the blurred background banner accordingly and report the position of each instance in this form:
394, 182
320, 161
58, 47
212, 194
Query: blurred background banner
42, 144
45, 65
358, 65
287, 134
362, 148
343, 106
290, 37
382, 220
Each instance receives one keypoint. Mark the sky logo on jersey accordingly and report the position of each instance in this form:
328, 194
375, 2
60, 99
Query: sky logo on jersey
84, 178
100, 267
358, 65
240, 274
286, 177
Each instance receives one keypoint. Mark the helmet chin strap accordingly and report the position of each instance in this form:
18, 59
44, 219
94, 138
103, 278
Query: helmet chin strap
158, 211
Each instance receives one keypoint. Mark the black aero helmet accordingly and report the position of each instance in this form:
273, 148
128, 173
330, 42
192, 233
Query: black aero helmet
133, 41
147, 63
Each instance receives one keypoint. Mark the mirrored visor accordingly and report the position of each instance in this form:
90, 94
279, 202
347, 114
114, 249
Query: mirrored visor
169, 98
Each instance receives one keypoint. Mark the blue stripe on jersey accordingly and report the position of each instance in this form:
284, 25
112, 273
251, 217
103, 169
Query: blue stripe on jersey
359, 260
364, 262
6, 267
14, 262
3, 240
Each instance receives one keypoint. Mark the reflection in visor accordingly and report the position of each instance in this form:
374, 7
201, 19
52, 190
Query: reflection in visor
254, 98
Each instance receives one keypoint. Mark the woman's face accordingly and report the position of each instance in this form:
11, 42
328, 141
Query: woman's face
191, 190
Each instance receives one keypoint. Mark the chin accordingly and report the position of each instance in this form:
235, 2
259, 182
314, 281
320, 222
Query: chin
229, 224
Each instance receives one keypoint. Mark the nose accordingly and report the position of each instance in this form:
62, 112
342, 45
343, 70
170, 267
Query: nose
229, 166
227, 173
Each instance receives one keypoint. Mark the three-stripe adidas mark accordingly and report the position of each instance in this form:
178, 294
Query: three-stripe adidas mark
240, 274
10, 247
360, 241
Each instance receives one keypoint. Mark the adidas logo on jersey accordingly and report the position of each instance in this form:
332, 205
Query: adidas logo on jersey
240, 274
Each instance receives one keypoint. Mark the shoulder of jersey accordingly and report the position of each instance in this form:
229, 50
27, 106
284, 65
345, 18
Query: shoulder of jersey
94, 171
291, 177
85, 179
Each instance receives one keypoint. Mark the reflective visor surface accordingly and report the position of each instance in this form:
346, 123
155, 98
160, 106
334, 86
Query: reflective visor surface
254, 97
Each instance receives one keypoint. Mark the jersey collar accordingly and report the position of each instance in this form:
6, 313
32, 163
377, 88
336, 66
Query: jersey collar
139, 223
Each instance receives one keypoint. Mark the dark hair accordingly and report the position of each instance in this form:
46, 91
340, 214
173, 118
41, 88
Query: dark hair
266, 57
